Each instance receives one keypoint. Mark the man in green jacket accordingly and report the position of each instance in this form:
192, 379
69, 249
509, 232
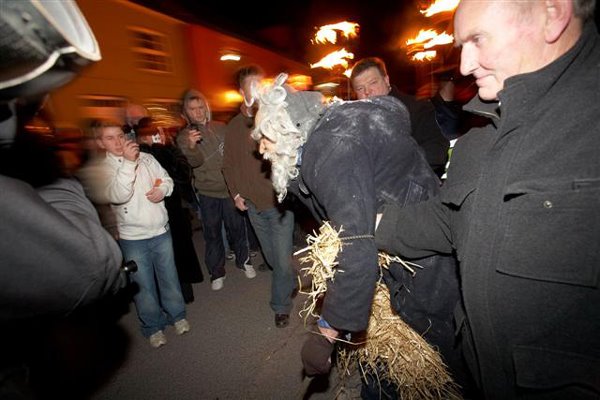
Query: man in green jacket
202, 141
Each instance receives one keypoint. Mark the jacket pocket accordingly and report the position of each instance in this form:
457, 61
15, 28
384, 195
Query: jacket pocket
542, 368
552, 236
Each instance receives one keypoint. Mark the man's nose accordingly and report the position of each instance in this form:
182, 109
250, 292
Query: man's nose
468, 60
261, 146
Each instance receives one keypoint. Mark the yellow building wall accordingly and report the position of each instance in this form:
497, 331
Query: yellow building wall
194, 53
214, 77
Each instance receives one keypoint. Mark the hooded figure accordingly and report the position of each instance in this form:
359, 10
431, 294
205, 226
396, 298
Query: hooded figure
344, 161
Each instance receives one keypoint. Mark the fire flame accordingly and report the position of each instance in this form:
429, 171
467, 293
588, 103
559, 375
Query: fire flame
430, 36
327, 33
440, 6
427, 39
334, 58
424, 55
442, 38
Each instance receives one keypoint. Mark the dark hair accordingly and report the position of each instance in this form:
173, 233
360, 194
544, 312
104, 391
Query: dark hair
584, 9
366, 63
246, 71
145, 127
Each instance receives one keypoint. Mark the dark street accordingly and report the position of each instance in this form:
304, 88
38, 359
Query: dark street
234, 350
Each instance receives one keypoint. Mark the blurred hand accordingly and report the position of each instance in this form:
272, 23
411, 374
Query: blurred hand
155, 195
240, 203
194, 137
131, 150
330, 333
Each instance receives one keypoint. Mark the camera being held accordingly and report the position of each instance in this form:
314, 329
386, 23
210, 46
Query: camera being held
194, 132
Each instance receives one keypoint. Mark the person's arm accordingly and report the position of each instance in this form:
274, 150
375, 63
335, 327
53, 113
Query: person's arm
163, 184
189, 147
229, 159
417, 231
56, 257
344, 187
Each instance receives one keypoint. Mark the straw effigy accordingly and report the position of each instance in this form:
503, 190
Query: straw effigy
391, 350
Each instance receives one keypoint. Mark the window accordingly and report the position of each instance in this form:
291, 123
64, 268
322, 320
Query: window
151, 50
102, 107
164, 111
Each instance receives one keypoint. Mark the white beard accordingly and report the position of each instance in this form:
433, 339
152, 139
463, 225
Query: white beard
283, 168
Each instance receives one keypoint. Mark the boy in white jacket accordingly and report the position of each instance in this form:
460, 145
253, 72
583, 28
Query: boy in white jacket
135, 185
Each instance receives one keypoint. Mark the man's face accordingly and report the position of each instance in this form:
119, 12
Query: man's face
267, 148
196, 111
498, 41
112, 140
370, 83
245, 89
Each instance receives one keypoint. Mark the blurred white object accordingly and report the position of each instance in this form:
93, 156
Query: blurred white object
43, 43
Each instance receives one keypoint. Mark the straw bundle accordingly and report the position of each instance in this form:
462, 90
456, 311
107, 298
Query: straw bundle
391, 348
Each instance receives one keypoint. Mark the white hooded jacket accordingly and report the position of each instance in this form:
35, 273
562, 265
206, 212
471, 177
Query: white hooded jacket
124, 185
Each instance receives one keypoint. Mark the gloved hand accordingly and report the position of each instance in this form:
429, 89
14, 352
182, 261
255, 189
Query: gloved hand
316, 355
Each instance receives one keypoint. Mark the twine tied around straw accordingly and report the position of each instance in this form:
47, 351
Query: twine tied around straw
391, 349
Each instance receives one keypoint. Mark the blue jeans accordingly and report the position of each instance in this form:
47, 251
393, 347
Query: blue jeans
214, 212
275, 230
156, 306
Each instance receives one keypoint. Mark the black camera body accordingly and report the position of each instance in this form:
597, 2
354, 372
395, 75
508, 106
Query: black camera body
196, 127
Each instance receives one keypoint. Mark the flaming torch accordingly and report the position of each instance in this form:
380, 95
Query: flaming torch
427, 39
328, 33
334, 58
440, 6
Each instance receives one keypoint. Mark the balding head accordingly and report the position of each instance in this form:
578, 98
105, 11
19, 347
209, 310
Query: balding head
501, 39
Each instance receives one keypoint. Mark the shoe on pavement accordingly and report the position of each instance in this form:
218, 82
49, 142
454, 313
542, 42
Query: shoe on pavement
217, 284
282, 320
230, 255
253, 253
157, 339
249, 271
182, 326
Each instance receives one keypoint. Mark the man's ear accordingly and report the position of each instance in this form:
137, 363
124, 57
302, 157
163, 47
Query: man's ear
559, 14
100, 144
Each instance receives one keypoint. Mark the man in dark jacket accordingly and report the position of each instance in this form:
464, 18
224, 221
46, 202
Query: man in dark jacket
370, 78
355, 157
56, 258
521, 205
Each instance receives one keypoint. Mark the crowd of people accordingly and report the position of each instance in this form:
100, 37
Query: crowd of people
506, 232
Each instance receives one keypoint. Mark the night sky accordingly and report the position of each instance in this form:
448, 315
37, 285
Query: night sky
288, 27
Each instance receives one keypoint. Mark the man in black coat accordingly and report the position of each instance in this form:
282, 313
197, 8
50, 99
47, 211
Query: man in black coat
56, 258
354, 157
370, 78
521, 205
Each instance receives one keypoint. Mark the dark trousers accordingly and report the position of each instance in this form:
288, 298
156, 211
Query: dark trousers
214, 212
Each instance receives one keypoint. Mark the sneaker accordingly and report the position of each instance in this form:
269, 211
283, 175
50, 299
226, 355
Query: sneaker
217, 284
253, 253
182, 326
230, 255
157, 339
282, 320
249, 271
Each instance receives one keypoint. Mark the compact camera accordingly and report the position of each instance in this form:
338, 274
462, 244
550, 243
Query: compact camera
196, 127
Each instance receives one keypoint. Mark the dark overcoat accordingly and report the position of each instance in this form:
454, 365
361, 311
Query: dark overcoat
521, 207
359, 156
